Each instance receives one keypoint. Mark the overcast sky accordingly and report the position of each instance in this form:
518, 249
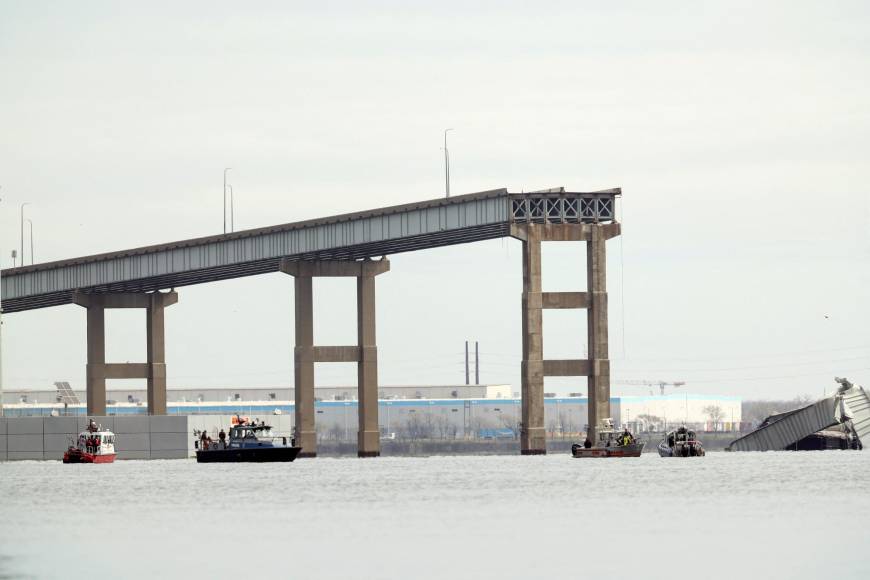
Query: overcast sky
737, 130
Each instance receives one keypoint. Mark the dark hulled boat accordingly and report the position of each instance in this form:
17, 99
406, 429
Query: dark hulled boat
610, 444
247, 443
681, 442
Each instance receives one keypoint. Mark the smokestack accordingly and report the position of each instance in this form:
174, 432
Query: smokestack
476, 363
467, 379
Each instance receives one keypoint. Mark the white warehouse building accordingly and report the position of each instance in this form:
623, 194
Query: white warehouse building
466, 408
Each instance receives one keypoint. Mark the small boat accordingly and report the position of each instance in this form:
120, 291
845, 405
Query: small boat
681, 442
94, 445
247, 442
610, 444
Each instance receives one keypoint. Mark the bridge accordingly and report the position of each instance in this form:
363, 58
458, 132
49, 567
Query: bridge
353, 245
849, 406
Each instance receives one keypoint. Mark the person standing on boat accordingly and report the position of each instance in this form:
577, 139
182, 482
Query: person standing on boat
222, 436
626, 438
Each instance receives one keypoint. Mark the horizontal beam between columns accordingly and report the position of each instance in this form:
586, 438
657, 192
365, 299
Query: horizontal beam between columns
124, 299
336, 354
566, 232
334, 268
566, 368
558, 300
119, 370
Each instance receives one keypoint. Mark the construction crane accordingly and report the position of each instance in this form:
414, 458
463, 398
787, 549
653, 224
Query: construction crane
660, 384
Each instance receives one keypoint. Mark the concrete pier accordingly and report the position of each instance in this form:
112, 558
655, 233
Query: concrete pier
533, 438
365, 353
599, 359
153, 370
533, 367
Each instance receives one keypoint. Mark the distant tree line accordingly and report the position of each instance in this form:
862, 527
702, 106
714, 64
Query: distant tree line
754, 412
429, 426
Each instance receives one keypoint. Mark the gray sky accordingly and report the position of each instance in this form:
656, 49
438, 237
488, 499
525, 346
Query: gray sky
738, 130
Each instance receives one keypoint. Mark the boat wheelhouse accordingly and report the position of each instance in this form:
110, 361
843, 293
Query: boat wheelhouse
94, 445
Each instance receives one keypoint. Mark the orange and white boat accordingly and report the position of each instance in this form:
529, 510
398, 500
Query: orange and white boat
94, 445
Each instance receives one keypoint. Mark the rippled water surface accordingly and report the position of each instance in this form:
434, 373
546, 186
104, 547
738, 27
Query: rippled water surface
777, 515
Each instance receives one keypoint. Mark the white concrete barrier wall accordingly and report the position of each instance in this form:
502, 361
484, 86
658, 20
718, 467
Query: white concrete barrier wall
24, 438
2, 439
137, 437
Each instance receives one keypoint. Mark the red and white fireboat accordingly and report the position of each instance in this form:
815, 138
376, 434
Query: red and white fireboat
95, 445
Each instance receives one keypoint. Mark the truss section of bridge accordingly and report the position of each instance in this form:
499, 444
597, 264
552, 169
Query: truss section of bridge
368, 234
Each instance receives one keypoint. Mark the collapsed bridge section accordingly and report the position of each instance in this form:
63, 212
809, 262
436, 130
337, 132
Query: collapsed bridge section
849, 407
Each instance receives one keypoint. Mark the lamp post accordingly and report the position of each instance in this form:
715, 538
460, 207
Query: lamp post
30, 222
232, 212
225, 197
21, 216
446, 166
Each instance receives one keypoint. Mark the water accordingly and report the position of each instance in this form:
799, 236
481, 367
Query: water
754, 515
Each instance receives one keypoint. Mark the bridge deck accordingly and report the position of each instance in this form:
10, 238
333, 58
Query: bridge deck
428, 224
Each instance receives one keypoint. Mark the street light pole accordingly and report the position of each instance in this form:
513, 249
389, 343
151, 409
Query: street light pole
30, 221
21, 215
232, 212
225, 197
446, 165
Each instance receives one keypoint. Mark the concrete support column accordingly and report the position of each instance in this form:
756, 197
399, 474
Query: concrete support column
156, 354
368, 440
303, 358
154, 369
599, 362
95, 374
533, 437
365, 353
596, 367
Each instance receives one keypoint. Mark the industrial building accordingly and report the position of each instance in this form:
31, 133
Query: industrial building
248, 394
415, 412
